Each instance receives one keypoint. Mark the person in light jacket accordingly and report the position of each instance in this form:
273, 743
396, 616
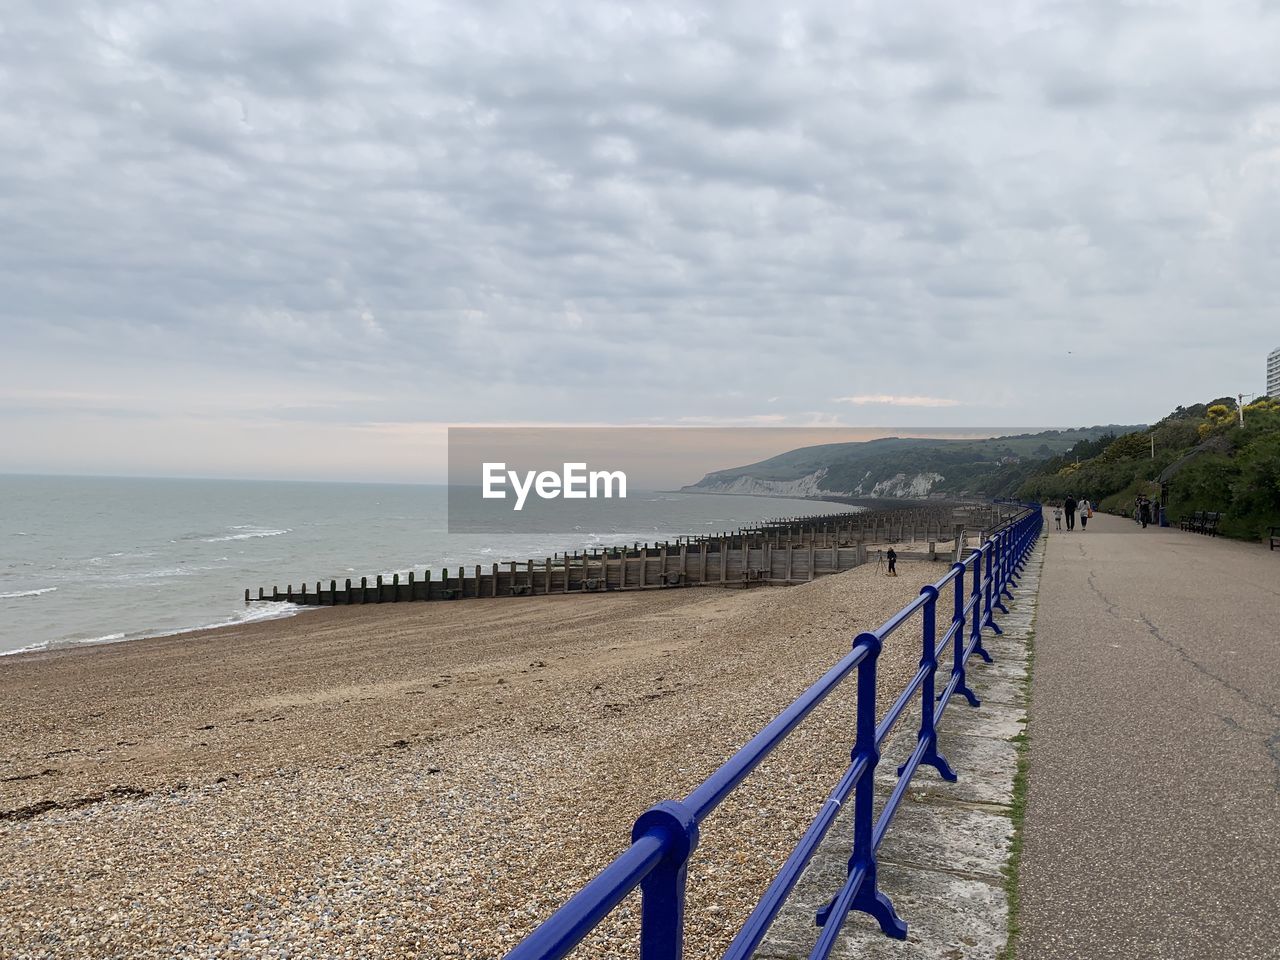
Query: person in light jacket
1086, 511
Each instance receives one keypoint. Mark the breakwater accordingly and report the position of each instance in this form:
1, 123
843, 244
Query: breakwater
777, 552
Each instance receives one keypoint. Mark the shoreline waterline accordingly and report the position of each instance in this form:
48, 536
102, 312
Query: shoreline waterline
97, 561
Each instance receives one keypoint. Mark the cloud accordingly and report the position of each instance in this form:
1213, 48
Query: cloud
888, 400
444, 211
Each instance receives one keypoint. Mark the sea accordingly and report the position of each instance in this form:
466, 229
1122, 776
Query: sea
86, 560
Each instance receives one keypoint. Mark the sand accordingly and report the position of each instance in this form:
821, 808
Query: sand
413, 780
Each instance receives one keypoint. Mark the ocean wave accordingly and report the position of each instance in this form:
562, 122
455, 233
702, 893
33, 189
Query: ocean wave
46, 645
26, 593
266, 611
249, 533
255, 613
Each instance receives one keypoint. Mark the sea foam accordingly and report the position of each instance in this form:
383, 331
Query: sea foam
26, 593
250, 533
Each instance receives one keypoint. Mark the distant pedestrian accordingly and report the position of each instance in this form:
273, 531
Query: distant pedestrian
892, 557
1057, 517
1144, 512
1086, 511
1069, 508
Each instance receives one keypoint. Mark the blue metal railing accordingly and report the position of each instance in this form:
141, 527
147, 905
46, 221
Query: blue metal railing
665, 836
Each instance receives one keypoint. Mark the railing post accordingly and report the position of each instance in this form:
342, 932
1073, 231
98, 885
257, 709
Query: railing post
1001, 585
868, 899
979, 613
929, 660
988, 598
1015, 556
662, 891
957, 667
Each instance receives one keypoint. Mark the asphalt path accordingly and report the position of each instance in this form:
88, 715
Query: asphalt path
1152, 823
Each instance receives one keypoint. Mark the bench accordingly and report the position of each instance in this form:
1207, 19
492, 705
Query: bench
1201, 521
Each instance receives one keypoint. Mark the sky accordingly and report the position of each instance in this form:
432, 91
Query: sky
302, 239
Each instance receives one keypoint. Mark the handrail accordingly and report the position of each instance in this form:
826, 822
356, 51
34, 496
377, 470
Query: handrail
665, 836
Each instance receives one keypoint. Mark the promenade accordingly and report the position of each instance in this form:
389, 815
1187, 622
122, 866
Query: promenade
1152, 823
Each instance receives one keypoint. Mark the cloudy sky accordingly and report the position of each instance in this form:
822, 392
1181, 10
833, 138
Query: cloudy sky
299, 239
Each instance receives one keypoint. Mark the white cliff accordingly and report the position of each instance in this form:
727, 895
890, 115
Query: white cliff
896, 487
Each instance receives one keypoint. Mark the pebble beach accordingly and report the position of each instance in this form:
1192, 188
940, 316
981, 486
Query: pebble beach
416, 781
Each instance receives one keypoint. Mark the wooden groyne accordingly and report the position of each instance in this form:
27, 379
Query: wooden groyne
779, 552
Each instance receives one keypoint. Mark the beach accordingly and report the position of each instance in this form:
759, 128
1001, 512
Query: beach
413, 780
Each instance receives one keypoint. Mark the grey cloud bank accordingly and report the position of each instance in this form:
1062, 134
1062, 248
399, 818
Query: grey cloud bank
296, 239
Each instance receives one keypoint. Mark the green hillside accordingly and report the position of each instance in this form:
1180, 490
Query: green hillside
903, 467
1201, 456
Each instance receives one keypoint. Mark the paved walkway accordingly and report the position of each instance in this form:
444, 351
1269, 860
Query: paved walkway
1153, 815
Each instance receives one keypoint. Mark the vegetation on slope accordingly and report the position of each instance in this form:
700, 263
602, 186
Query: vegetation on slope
990, 467
1203, 456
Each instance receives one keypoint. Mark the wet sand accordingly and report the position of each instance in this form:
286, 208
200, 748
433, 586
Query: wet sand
418, 780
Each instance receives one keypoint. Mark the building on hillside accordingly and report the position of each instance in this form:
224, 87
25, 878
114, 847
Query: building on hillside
1273, 373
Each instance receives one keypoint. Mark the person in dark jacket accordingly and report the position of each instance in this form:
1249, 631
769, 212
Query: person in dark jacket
1069, 508
1144, 512
892, 557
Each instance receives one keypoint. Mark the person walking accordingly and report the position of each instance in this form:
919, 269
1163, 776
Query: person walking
1069, 508
1086, 511
892, 557
1144, 512
1057, 517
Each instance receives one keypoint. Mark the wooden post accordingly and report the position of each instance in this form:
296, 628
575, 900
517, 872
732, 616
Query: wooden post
812, 572
246, 594
724, 560
493, 587
547, 569
348, 591
333, 593
395, 588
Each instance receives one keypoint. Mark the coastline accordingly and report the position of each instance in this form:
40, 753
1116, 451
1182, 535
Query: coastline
286, 611
420, 754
